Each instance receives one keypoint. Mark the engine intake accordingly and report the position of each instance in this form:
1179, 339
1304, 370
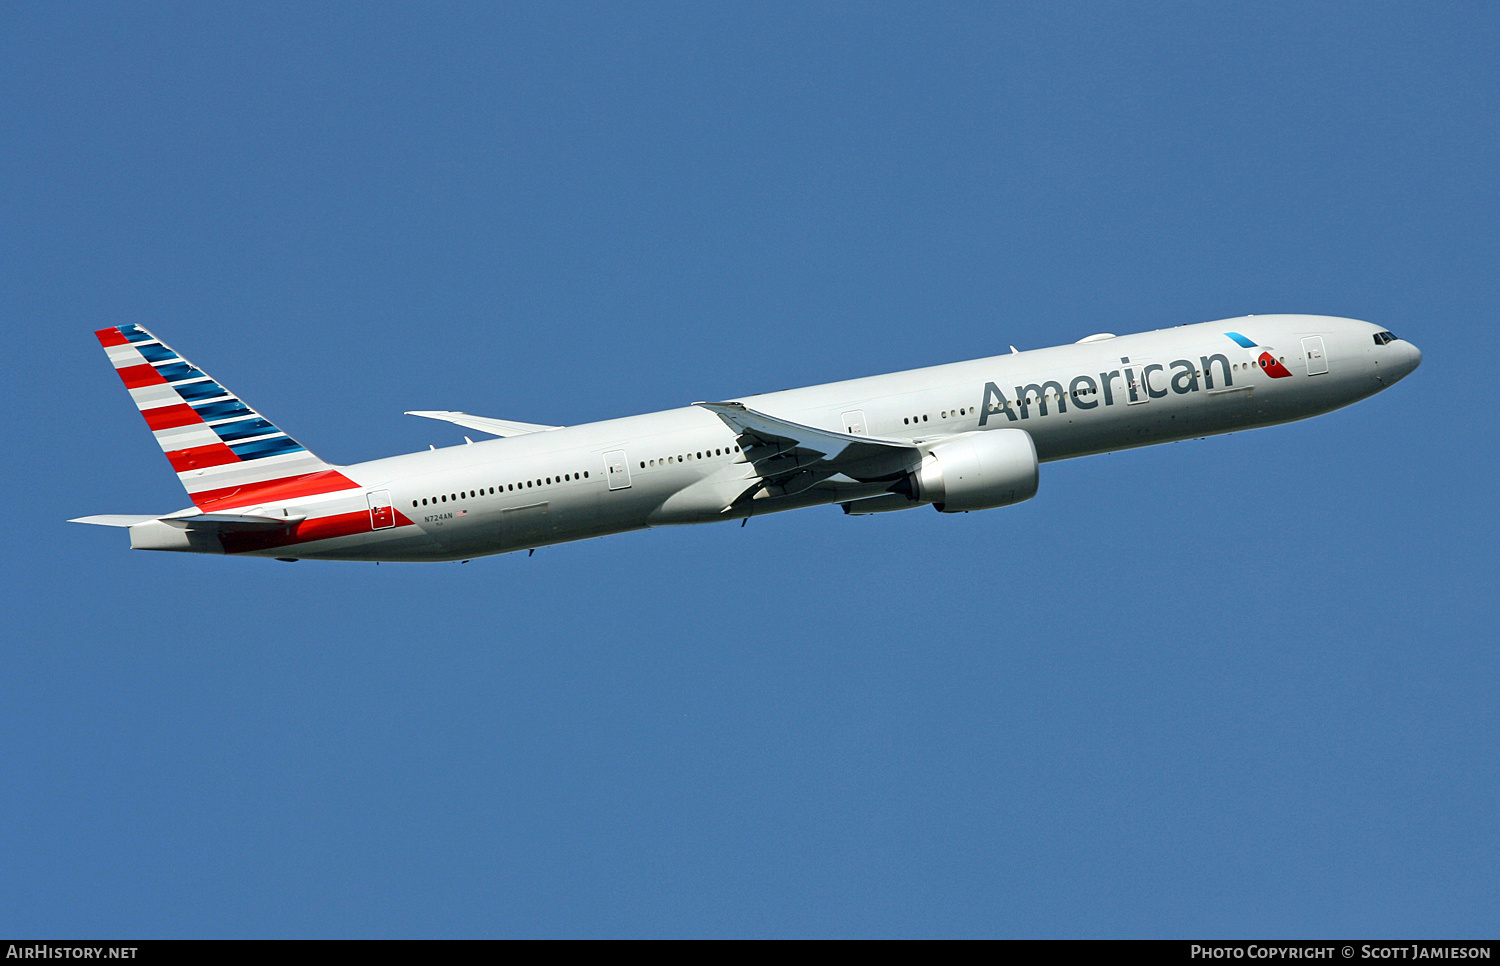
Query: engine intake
978, 472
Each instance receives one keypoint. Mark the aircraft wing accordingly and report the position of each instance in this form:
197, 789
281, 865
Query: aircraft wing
495, 427
791, 457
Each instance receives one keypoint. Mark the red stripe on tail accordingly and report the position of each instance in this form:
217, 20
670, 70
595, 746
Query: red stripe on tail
275, 491
200, 457
135, 377
170, 417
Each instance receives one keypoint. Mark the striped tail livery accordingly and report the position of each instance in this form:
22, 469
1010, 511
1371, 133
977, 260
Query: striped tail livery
241, 471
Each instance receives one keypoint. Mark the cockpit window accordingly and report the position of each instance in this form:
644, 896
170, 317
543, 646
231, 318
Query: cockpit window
1381, 338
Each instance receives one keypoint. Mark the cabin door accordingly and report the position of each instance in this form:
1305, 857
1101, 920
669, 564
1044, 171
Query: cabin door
1317, 359
381, 514
617, 470
1138, 384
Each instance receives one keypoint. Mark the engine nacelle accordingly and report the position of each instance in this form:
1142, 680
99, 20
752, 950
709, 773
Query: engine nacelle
988, 469
885, 503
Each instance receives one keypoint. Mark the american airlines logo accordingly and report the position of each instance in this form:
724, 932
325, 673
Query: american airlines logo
1273, 367
1141, 383
1268, 362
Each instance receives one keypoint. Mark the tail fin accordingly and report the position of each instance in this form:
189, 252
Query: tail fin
225, 453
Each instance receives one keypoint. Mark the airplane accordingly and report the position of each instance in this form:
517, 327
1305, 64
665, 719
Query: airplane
959, 437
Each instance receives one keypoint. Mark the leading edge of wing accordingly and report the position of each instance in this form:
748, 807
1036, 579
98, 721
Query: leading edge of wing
858, 457
495, 427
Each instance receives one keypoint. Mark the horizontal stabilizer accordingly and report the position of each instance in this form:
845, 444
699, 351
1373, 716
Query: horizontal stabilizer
495, 427
115, 519
211, 522
227, 522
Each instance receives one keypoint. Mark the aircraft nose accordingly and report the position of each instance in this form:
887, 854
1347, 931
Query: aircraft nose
1403, 362
1413, 357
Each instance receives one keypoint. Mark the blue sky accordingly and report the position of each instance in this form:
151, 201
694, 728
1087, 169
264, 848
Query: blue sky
1242, 686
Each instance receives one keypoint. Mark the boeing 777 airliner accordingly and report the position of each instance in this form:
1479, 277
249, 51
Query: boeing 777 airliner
959, 437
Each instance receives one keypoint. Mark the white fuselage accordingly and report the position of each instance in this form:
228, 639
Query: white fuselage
676, 467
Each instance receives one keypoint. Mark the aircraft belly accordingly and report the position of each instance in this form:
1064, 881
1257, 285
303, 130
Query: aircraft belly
400, 543
535, 518
1082, 432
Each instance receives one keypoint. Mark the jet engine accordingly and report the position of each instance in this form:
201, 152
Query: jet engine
977, 472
